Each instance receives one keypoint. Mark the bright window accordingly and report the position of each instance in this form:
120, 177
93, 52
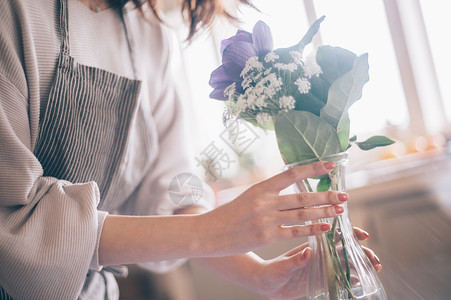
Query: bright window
436, 18
402, 91
359, 26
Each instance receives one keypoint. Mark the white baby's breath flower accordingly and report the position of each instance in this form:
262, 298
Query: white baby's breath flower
286, 67
263, 118
259, 95
287, 102
297, 57
251, 97
247, 80
267, 71
303, 85
311, 68
252, 64
260, 101
271, 57
252, 75
271, 84
230, 90
241, 104
231, 110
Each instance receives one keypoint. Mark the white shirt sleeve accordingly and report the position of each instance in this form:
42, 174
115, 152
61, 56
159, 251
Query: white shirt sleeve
174, 157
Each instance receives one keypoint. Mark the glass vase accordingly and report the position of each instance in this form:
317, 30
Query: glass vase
340, 269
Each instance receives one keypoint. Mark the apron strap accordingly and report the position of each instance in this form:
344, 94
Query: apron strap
64, 27
130, 40
64, 31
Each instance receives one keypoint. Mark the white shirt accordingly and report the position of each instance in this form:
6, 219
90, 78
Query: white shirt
50, 229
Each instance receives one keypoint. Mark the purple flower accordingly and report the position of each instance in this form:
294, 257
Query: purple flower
235, 52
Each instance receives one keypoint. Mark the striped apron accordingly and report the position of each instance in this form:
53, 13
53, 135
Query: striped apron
84, 133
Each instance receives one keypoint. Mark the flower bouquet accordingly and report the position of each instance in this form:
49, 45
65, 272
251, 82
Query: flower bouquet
305, 99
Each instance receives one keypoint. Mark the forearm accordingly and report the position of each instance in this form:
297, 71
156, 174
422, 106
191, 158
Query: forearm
239, 269
136, 239
250, 221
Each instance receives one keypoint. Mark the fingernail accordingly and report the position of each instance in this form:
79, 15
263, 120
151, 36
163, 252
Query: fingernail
329, 165
367, 235
306, 253
377, 259
343, 197
378, 267
325, 227
339, 209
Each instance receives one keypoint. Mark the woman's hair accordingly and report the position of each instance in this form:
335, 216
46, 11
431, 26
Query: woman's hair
198, 13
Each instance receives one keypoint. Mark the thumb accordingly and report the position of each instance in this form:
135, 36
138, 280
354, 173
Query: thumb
296, 261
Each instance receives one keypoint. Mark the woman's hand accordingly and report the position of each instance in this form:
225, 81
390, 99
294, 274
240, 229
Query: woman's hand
258, 216
285, 277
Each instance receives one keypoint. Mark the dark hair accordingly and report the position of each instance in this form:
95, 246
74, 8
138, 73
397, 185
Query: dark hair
198, 13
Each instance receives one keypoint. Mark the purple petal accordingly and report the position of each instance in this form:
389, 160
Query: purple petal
218, 78
235, 57
262, 38
218, 94
241, 35
219, 81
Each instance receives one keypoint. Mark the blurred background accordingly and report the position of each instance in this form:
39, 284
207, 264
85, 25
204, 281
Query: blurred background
400, 194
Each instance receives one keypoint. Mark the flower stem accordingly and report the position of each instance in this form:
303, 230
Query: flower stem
330, 268
345, 254
345, 278
342, 277
336, 275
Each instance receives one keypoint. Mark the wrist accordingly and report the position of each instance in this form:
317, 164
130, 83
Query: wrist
190, 210
200, 228
255, 272
203, 242
243, 270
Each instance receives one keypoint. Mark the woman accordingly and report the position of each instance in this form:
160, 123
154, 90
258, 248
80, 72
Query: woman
91, 133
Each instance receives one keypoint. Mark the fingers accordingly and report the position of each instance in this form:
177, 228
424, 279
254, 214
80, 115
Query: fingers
296, 231
296, 250
309, 214
294, 262
311, 199
361, 234
292, 175
373, 258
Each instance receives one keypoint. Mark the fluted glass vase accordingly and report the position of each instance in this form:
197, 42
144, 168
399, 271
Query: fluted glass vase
340, 269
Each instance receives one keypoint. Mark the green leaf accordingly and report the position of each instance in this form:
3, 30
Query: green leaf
345, 91
353, 139
323, 184
343, 130
334, 62
301, 135
315, 99
319, 88
375, 141
308, 102
310, 34
283, 53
